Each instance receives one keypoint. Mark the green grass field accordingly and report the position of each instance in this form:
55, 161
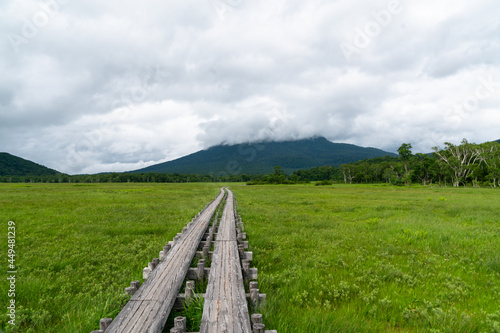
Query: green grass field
331, 259
375, 258
78, 246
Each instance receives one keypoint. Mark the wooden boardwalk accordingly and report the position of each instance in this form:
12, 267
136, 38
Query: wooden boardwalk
148, 309
225, 308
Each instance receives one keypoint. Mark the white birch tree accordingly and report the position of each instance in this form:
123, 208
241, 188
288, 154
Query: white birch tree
460, 159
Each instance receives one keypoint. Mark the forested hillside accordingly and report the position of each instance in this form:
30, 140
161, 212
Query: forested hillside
11, 165
261, 158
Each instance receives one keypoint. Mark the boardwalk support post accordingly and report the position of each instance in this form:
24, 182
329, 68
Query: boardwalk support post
180, 324
134, 286
259, 328
254, 293
254, 296
130, 291
151, 266
166, 248
189, 291
246, 270
104, 324
145, 272
256, 318
206, 249
155, 261
201, 269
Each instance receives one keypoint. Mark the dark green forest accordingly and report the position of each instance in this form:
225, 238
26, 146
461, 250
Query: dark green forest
11, 165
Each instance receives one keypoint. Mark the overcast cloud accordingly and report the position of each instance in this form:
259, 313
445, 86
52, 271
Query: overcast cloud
93, 86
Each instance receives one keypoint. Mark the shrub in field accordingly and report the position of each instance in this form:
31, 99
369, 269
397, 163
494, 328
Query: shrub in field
324, 182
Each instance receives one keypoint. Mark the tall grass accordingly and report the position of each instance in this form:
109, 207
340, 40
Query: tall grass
330, 258
78, 247
375, 258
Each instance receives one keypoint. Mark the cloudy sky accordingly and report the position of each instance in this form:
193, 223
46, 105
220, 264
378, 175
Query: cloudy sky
93, 86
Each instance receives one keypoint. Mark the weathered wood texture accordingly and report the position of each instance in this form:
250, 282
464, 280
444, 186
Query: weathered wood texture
225, 308
148, 309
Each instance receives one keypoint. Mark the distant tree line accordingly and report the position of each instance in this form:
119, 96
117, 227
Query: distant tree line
457, 165
324, 173
150, 177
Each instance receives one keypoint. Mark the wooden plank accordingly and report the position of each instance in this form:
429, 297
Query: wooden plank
246, 255
225, 308
148, 309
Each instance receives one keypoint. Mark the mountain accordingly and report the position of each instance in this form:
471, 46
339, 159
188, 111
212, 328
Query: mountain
11, 165
261, 158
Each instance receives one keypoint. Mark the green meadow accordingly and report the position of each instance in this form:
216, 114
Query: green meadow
375, 258
79, 245
341, 258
